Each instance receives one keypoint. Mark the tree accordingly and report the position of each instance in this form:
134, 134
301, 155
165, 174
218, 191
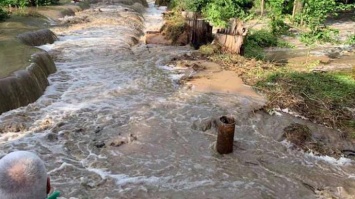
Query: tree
262, 6
297, 7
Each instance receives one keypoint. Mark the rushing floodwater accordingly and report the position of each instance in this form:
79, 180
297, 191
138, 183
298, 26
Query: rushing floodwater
113, 124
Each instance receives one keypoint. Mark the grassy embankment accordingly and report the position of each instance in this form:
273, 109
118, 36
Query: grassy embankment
324, 97
327, 98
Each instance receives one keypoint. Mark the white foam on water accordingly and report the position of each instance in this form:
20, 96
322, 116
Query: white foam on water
153, 17
342, 161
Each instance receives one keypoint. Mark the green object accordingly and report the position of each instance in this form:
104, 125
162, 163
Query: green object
54, 195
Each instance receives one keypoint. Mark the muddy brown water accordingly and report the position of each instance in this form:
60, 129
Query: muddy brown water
14, 55
113, 124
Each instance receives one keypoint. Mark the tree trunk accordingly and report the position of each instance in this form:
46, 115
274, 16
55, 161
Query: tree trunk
262, 7
232, 38
239, 31
201, 32
297, 8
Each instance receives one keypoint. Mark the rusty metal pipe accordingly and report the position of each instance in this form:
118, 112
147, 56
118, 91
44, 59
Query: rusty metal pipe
225, 127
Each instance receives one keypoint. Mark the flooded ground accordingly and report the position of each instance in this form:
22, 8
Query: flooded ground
114, 124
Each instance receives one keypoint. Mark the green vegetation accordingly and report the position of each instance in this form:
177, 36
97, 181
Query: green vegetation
321, 97
256, 41
24, 3
3, 15
174, 26
217, 12
210, 49
326, 35
351, 40
326, 98
307, 15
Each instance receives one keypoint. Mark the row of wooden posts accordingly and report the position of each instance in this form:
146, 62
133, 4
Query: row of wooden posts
231, 38
200, 33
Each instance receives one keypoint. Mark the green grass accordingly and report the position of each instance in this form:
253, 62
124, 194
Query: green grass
256, 41
174, 26
326, 86
321, 97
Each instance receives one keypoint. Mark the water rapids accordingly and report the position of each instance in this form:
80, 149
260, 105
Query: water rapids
114, 124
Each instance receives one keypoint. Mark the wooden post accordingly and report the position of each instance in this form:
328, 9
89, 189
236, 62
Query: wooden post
201, 31
225, 138
239, 32
262, 7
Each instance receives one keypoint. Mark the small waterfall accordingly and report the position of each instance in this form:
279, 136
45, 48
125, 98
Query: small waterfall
37, 38
26, 86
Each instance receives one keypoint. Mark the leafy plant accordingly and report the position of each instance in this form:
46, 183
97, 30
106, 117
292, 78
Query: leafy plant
315, 12
23, 3
320, 35
256, 41
351, 40
279, 27
263, 38
3, 15
218, 12
209, 49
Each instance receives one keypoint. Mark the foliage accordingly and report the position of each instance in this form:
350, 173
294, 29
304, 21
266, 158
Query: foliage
217, 12
320, 35
277, 24
321, 97
3, 15
256, 41
174, 27
351, 40
209, 49
315, 12
263, 38
279, 27
336, 87
253, 50
23, 3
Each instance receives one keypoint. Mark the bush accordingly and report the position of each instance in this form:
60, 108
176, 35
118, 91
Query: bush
218, 12
351, 40
174, 26
209, 49
321, 35
278, 27
263, 38
256, 41
253, 50
3, 15
23, 3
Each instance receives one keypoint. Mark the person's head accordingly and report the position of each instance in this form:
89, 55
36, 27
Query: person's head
23, 175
